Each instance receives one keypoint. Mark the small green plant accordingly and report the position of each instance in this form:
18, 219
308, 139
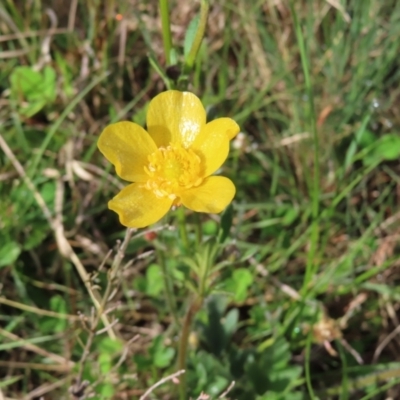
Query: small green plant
31, 90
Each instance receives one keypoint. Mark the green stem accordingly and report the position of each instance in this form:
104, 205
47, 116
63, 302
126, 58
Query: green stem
168, 83
166, 30
311, 267
204, 279
199, 229
307, 366
183, 344
183, 229
191, 58
167, 287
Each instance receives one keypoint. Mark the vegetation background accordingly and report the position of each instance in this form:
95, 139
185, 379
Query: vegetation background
307, 305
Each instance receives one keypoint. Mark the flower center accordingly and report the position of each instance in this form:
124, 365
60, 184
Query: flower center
171, 170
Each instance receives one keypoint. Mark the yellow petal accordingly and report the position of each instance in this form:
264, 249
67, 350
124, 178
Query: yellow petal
175, 117
127, 145
138, 207
212, 196
212, 145
229, 126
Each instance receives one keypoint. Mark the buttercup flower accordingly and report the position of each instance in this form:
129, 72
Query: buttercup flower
171, 163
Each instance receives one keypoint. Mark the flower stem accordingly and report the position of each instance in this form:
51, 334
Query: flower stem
166, 30
167, 287
199, 229
183, 344
183, 229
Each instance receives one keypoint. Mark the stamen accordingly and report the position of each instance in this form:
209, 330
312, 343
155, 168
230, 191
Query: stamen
171, 170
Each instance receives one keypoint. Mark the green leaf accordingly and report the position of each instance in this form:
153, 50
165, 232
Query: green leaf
238, 284
358, 137
59, 305
48, 191
280, 380
226, 223
163, 359
143, 362
191, 264
9, 253
154, 280
217, 386
282, 396
34, 85
216, 333
190, 35
210, 228
269, 369
162, 356
24, 82
36, 235
110, 346
32, 108
290, 216
367, 139
67, 75
210, 376
386, 148
36, 88
105, 362
106, 390
140, 284
230, 322
9, 381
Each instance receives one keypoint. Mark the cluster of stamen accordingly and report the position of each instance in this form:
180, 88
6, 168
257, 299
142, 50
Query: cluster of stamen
171, 170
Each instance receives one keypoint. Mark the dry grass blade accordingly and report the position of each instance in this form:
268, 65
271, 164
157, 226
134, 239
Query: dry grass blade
44, 389
34, 366
38, 350
58, 229
38, 311
228, 389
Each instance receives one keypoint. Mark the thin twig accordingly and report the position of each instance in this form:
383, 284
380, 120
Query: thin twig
352, 351
125, 352
101, 310
160, 382
46, 388
38, 366
45, 57
58, 229
336, 4
66, 249
121, 252
105, 329
114, 368
384, 343
13, 36
229, 388
122, 42
38, 311
72, 15
282, 286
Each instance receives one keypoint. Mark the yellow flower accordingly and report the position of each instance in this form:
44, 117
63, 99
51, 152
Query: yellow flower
171, 163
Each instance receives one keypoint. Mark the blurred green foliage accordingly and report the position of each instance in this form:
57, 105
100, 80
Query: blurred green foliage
262, 327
